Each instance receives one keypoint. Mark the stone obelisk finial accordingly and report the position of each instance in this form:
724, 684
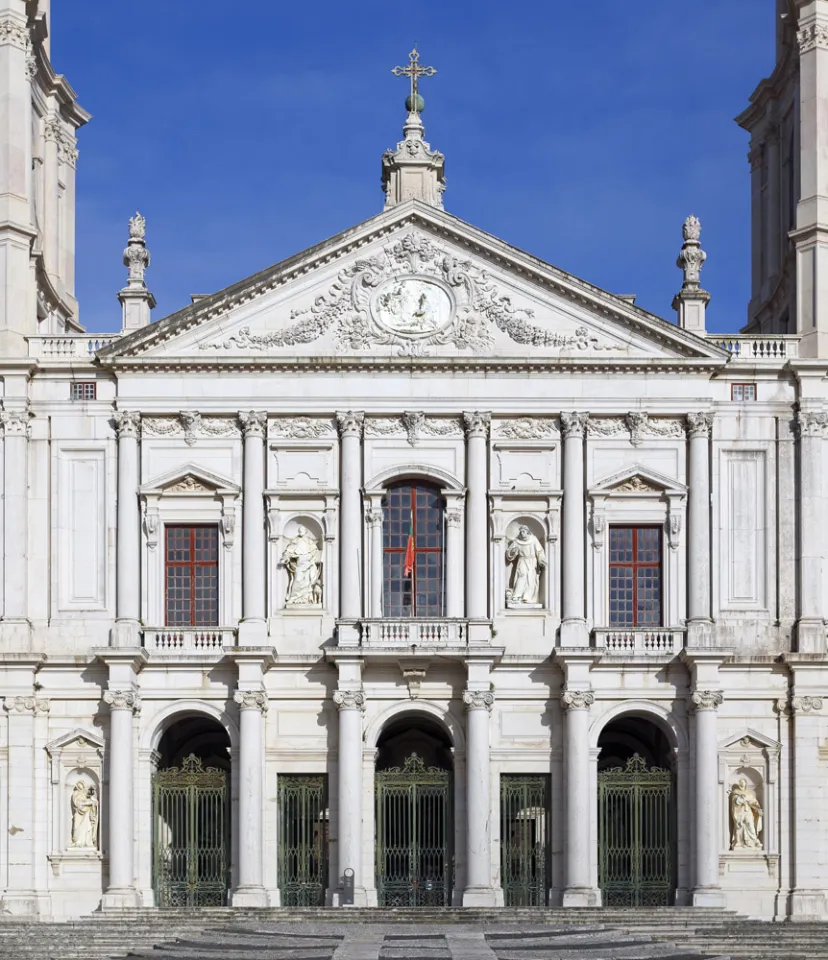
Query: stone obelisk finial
690, 303
136, 300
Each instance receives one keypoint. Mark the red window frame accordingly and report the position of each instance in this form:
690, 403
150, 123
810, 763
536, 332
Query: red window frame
743, 388
618, 617
422, 593
203, 600
84, 390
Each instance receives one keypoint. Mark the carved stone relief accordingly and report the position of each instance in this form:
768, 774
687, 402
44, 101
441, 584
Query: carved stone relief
527, 428
190, 425
413, 425
301, 428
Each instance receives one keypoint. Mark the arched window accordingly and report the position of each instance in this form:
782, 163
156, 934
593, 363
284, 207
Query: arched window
413, 565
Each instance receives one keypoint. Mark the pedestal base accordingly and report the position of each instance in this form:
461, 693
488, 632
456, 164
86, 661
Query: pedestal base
700, 635
808, 905
574, 633
358, 897
16, 635
481, 897
253, 633
24, 903
581, 897
124, 899
249, 897
810, 636
708, 897
125, 633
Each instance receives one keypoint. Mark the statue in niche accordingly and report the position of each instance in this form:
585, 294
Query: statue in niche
527, 558
746, 817
303, 561
84, 802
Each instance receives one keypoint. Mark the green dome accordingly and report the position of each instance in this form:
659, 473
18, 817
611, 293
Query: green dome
409, 104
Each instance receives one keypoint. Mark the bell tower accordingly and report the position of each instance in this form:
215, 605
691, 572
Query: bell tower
39, 117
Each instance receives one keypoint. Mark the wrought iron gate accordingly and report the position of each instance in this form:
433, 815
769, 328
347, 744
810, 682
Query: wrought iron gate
636, 835
190, 862
303, 840
524, 840
414, 830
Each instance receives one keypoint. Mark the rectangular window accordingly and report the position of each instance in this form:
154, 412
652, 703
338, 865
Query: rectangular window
84, 391
742, 391
635, 576
413, 574
191, 575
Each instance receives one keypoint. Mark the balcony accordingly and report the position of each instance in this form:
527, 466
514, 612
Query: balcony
405, 634
74, 348
655, 642
778, 348
188, 641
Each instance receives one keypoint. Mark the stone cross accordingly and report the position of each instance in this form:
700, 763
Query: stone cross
414, 71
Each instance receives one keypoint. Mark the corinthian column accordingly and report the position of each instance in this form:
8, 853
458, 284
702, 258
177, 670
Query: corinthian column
578, 891
477, 533
123, 703
811, 428
375, 529
351, 704
350, 524
573, 613
125, 633
253, 628
699, 623
16, 430
707, 892
250, 891
479, 891
454, 558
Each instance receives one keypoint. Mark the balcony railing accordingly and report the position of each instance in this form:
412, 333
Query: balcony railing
81, 347
188, 640
656, 641
779, 347
413, 633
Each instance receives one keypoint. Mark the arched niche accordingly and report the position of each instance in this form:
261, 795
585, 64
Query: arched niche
537, 530
314, 529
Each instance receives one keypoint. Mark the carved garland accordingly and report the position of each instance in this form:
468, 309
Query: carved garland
412, 425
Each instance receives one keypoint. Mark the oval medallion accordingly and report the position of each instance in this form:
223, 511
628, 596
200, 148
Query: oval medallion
412, 307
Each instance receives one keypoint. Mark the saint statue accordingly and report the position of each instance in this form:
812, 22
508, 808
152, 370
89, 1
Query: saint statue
84, 803
746, 817
303, 560
527, 557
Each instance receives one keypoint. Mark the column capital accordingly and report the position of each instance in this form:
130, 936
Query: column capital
698, 424
476, 424
573, 424
33, 705
707, 699
374, 518
577, 699
253, 423
812, 36
349, 699
478, 700
251, 700
15, 423
454, 518
806, 704
127, 424
122, 700
350, 424
810, 423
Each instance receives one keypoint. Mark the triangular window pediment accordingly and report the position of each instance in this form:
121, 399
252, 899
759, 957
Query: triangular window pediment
192, 481
638, 480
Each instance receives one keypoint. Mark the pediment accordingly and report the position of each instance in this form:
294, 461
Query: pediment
411, 283
190, 480
750, 739
78, 741
638, 479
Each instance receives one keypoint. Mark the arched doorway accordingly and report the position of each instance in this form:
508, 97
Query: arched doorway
636, 815
414, 814
191, 815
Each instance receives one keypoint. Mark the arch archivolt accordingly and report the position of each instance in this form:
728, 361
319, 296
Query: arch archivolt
166, 716
414, 471
425, 708
655, 712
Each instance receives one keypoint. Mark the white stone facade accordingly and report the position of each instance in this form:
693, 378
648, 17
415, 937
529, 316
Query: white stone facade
278, 412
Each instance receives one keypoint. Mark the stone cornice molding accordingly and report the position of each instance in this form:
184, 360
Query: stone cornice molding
478, 700
253, 423
122, 700
699, 425
574, 425
127, 424
476, 424
251, 700
577, 699
16, 423
350, 424
349, 700
34, 705
707, 699
806, 704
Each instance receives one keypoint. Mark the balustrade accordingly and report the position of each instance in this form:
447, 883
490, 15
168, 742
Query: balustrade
69, 348
188, 640
777, 348
655, 641
413, 633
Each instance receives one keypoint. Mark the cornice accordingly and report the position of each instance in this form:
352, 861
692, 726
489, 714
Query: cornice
440, 224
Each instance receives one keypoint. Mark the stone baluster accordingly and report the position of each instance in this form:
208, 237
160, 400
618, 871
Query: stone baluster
250, 891
477, 532
253, 628
578, 891
699, 623
479, 891
707, 891
351, 704
573, 619
121, 892
125, 633
350, 524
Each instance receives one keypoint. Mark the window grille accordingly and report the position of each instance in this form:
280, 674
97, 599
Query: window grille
635, 577
191, 576
84, 391
413, 558
742, 391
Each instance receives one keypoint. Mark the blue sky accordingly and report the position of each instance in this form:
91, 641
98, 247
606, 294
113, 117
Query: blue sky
582, 132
